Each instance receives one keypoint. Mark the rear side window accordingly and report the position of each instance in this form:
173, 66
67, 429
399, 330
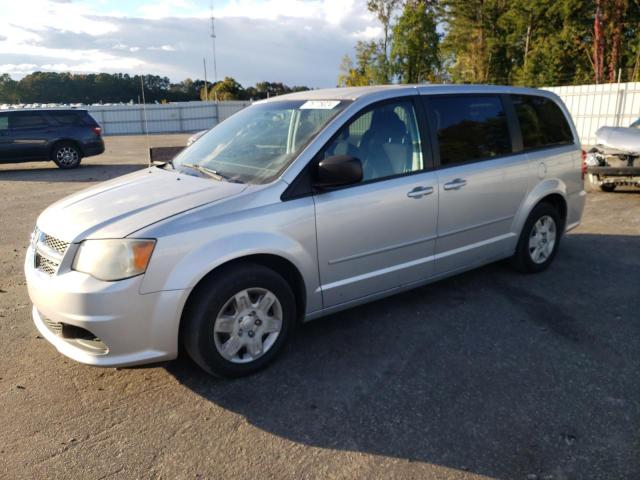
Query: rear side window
65, 118
72, 118
470, 127
542, 123
27, 120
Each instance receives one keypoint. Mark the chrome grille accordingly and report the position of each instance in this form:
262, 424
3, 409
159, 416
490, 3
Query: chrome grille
55, 244
45, 265
48, 252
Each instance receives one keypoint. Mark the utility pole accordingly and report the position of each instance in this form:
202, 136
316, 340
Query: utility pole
213, 44
144, 117
206, 87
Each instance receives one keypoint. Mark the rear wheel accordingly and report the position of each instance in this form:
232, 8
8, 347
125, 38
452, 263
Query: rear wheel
239, 320
539, 239
66, 155
607, 187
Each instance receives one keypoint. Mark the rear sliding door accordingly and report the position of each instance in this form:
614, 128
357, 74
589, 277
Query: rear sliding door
482, 180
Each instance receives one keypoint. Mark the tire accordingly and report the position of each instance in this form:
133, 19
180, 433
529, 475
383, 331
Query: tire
223, 328
66, 155
607, 187
532, 255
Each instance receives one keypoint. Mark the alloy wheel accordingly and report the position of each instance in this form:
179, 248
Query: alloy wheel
67, 156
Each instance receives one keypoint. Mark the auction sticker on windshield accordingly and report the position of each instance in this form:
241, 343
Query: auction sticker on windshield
319, 105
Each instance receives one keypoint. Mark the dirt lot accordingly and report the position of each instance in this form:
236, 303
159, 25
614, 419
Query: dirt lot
487, 374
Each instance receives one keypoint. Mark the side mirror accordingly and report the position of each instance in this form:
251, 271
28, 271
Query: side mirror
338, 171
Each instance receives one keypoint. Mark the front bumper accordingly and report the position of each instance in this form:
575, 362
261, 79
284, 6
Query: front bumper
133, 328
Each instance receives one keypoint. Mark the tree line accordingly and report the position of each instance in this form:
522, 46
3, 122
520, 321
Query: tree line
53, 87
512, 42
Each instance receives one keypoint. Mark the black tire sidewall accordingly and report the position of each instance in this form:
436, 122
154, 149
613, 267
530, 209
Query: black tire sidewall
210, 297
54, 153
523, 260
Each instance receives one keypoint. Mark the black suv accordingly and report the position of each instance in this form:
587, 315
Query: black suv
64, 136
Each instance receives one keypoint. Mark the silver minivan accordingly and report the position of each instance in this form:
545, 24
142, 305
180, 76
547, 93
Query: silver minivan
297, 207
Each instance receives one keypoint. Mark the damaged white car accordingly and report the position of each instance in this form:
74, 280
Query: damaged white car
614, 160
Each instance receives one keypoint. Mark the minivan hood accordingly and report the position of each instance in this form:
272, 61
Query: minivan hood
119, 207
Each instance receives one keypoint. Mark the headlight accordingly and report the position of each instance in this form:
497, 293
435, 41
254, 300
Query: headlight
113, 259
34, 237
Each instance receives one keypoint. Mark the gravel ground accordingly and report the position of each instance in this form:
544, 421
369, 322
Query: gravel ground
490, 374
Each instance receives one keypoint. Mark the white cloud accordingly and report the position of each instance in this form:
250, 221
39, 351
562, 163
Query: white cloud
369, 33
165, 48
18, 69
293, 41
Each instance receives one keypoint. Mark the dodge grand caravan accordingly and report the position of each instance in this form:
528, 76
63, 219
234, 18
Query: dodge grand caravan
297, 207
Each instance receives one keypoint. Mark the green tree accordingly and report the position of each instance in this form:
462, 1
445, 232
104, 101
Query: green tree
384, 11
415, 45
227, 89
366, 69
8, 89
547, 41
475, 43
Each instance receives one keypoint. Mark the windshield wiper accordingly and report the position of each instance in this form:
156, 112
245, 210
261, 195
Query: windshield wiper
164, 163
210, 172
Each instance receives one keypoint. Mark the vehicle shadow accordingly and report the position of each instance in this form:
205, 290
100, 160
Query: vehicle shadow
49, 173
491, 371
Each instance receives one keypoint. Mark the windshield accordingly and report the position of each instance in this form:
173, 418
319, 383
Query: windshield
256, 144
635, 124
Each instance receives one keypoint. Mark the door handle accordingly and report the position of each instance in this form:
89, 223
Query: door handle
455, 184
420, 192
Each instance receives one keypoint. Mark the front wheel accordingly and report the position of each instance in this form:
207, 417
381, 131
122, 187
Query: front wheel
66, 155
239, 320
539, 239
607, 187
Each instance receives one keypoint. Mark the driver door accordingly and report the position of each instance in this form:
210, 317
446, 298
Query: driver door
379, 234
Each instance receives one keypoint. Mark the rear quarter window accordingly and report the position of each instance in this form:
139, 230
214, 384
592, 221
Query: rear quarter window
65, 118
72, 118
542, 122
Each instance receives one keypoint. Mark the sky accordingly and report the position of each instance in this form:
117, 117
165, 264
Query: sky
291, 41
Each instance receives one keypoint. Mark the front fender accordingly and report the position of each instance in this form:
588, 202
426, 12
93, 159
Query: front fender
542, 189
194, 265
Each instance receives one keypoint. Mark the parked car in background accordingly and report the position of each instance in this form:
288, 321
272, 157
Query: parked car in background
297, 207
63, 136
614, 161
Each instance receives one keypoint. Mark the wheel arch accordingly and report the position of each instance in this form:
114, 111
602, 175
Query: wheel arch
277, 263
59, 141
559, 203
552, 191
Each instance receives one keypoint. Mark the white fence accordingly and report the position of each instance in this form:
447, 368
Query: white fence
163, 118
594, 106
